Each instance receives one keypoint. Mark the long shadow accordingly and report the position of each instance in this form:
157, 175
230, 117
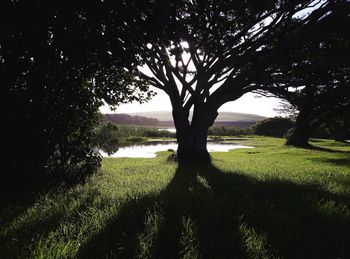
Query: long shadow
21, 191
328, 150
323, 149
339, 143
295, 221
28, 232
334, 161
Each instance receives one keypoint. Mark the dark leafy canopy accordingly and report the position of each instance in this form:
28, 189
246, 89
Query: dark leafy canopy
275, 127
339, 124
58, 62
315, 78
206, 53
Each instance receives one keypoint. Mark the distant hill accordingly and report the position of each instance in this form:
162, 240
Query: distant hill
164, 118
224, 118
121, 118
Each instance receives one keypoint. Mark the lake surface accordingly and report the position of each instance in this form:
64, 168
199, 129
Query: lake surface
149, 151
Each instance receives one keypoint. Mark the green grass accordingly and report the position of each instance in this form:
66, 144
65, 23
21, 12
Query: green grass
268, 202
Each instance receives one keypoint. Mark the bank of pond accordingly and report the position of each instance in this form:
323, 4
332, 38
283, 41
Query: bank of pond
150, 149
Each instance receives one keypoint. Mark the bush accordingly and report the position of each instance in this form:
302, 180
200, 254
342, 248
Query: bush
52, 138
135, 139
274, 127
229, 131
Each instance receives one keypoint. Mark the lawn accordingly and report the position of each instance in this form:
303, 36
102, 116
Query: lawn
268, 202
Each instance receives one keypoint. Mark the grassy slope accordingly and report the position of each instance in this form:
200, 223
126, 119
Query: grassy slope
271, 201
223, 116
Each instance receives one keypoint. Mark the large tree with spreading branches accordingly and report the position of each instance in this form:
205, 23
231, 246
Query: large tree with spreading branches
203, 54
315, 79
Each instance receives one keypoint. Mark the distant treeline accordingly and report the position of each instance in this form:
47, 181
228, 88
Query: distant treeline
238, 124
128, 119
229, 131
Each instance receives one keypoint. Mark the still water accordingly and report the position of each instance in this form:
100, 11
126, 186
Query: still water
149, 151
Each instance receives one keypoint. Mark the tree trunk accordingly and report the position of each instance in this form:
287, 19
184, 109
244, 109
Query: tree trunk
300, 134
192, 145
192, 138
299, 137
339, 134
338, 131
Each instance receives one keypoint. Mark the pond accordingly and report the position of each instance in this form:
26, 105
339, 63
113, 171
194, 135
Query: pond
149, 150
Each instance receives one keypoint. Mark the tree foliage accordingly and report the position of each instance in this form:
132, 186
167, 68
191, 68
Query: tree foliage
206, 53
59, 61
274, 127
314, 78
338, 124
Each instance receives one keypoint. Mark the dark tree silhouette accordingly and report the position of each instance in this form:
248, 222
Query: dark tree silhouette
314, 79
58, 62
206, 53
339, 123
275, 127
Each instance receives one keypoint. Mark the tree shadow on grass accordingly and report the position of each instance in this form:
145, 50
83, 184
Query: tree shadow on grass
324, 149
327, 149
25, 230
20, 192
207, 213
334, 161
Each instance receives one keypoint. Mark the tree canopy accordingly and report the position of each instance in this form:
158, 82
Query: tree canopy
206, 53
315, 77
59, 62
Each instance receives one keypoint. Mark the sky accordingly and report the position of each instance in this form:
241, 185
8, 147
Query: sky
248, 103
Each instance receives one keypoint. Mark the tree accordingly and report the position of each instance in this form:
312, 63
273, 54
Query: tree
314, 79
206, 53
59, 61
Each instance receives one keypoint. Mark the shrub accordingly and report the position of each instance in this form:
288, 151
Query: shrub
229, 131
274, 127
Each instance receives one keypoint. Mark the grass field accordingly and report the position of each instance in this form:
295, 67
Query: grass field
268, 202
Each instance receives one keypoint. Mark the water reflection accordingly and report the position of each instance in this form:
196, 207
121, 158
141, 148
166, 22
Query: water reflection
149, 150
109, 148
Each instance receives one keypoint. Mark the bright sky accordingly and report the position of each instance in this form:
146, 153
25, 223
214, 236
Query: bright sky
246, 104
